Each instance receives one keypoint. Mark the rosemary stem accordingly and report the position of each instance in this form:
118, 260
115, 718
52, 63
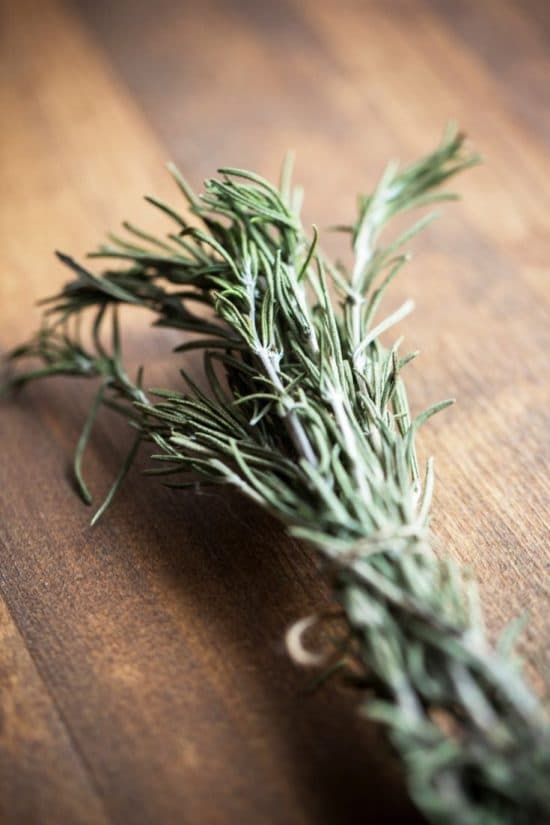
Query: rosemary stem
293, 423
311, 420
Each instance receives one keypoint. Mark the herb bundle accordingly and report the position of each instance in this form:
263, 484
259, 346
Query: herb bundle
306, 413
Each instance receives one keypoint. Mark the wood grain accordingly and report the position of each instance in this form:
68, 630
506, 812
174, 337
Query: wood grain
142, 674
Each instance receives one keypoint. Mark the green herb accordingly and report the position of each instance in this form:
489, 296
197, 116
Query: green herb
307, 414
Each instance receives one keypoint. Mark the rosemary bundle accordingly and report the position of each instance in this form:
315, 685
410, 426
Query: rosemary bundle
306, 413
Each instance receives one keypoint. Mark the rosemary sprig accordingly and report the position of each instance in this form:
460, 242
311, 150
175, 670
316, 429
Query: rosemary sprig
307, 414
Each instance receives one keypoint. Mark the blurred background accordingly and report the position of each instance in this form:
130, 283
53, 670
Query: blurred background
143, 677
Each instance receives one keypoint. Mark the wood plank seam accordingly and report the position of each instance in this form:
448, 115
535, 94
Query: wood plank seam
79, 752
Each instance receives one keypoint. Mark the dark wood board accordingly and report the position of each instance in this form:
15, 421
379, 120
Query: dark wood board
143, 677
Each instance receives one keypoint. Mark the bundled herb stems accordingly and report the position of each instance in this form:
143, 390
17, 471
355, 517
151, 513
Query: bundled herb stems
307, 414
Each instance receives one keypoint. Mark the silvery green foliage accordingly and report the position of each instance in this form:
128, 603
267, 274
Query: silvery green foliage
306, 413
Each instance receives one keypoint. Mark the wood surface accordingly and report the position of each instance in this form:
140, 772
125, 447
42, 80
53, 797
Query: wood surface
143, 677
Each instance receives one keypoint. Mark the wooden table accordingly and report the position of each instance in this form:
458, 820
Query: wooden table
143, 677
